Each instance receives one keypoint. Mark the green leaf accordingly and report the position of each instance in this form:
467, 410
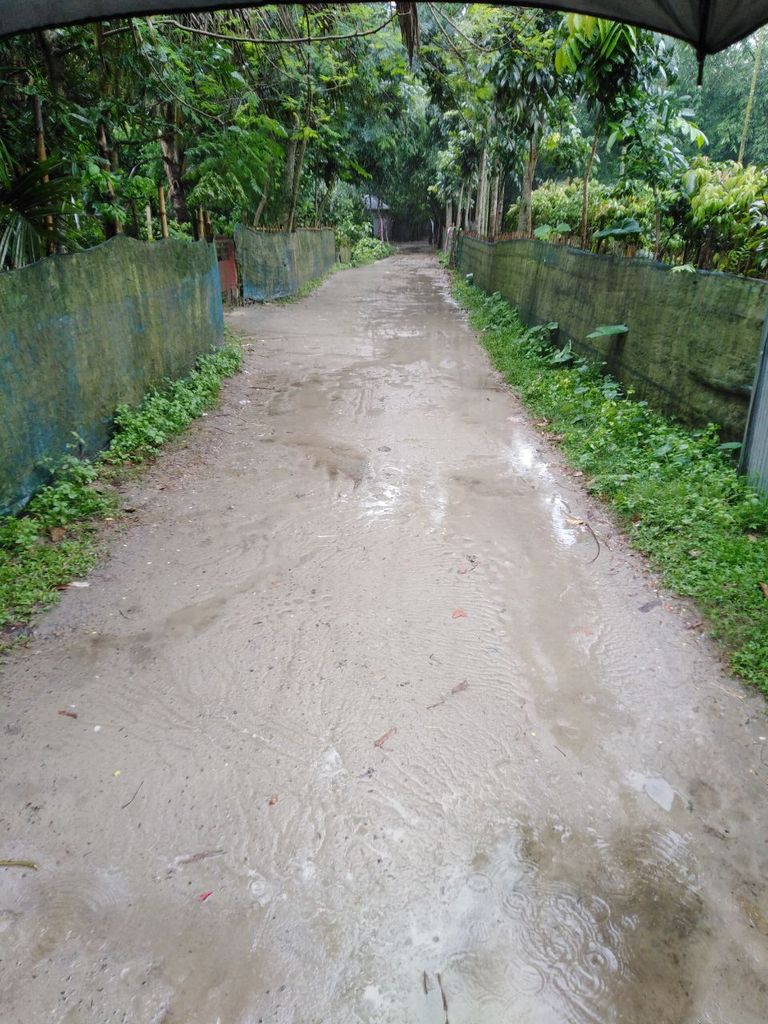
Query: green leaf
607, 330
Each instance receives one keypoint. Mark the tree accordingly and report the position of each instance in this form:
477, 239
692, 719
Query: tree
528, 91
610, 63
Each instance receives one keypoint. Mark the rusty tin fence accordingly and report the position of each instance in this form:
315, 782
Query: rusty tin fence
225, 257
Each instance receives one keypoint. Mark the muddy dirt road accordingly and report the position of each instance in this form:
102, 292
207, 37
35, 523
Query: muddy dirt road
366, 733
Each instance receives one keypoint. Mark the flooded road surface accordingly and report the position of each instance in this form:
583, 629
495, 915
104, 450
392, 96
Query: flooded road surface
365, 730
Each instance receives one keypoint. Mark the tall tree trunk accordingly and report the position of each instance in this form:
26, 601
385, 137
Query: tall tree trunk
657, 225
295, 184
482, 201
448, 220
760, 46
460, 206
134, 217
262, 202
162, 211
37, 113
585, 186
54, 62
112, 225
493, 212
288, 178
500, 206
41, 154
323, 204
174, 162
525, 214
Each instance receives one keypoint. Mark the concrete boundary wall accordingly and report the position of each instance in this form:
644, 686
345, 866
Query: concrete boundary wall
83, 333
275, 264
693, 338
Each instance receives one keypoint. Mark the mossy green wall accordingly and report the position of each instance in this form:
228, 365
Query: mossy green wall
83, 333
275, 264
693, 338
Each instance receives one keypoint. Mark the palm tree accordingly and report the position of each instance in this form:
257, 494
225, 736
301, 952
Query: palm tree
33, 211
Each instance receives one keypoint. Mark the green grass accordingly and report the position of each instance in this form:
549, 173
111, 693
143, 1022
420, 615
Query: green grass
56, 539
675, 491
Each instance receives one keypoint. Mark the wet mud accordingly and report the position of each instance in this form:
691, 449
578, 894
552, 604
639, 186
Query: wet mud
367, 731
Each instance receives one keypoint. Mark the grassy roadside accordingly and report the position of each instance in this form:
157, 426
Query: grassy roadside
55, 539
675, 491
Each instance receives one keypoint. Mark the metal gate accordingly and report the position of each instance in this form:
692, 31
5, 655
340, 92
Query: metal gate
754, 453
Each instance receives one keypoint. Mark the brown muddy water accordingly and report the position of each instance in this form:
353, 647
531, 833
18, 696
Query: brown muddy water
365, 731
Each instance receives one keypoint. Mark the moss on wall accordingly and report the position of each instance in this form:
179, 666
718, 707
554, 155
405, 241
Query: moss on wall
275, 264
83, 333
693, 338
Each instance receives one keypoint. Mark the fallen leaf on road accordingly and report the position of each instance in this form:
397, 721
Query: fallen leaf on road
387, 736
57, 533
79, 583
204, 895
193, 858
273, 799
459, 613
574, 521
460, 687
68, 714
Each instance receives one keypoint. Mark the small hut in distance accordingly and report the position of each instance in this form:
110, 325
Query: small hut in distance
381, 217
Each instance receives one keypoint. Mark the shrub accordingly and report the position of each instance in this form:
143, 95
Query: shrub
367, 250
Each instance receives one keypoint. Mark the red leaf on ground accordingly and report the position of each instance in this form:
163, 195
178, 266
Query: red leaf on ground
460, 687
273, 799
459, 613
204, 895
387, 736
69, 714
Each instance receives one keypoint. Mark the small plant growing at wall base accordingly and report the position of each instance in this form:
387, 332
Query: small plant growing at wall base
676, 491
56, 539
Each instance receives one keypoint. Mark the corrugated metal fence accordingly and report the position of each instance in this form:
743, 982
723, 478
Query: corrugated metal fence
754, 460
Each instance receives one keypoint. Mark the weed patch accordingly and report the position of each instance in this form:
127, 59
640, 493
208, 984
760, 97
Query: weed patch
368, 250
675, 491
55, 539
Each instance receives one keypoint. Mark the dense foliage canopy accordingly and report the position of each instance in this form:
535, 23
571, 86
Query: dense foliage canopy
494, 118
